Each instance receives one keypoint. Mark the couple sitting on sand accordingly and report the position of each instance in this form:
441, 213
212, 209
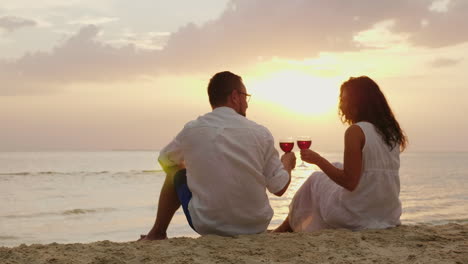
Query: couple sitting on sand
220, 165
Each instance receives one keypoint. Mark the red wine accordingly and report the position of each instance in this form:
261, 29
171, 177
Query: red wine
287, 146
304, 144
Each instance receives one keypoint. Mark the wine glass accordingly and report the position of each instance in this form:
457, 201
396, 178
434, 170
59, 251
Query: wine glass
303, 142
286, 144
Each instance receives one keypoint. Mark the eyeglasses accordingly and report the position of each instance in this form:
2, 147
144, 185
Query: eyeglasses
247, 96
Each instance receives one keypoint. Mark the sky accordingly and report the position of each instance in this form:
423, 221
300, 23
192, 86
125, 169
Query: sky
115, 74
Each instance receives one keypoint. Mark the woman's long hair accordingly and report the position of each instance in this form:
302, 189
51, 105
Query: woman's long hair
365, 101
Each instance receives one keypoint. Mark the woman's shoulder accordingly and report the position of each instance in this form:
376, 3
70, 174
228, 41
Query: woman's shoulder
366, 127
355, 133
354, 129
364, 124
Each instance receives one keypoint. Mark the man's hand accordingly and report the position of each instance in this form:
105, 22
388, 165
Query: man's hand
289, 161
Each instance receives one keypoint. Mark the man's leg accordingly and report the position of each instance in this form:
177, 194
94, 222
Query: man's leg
184, 194
167, 206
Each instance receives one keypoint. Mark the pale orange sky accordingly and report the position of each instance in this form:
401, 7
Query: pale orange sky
94, 76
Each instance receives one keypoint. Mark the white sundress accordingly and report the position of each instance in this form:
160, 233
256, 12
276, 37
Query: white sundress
321, 203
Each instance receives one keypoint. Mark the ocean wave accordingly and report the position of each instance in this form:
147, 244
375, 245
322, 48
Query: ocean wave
445, 221
86, 211
30, 173
151, 171
77, 211
78, 173
15, 174
8, 237
457, 221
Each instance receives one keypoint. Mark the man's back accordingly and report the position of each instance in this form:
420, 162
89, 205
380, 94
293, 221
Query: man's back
230, 162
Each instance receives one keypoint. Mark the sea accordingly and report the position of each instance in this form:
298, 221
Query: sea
81, 197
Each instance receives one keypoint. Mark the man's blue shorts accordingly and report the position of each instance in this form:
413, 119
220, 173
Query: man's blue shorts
184, 193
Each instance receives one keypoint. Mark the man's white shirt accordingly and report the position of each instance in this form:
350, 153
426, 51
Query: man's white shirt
230, 162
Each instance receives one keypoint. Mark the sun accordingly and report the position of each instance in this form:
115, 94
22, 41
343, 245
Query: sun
297, 91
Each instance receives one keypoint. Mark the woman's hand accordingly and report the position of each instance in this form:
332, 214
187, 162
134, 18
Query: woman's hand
310, 156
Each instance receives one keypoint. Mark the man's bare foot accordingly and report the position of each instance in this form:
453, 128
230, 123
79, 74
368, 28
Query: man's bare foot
152, 237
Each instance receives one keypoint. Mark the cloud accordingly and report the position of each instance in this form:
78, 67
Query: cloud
79, 59
87, 20
302, 29
444, 28
444, 62
11, 23
247, 31
439, 5
145, 41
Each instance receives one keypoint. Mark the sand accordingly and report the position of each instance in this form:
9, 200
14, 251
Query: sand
404, 244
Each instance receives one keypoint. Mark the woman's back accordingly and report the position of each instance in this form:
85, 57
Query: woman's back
376, 154
375, 202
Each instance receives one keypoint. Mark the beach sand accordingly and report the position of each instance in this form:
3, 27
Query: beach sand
404, 244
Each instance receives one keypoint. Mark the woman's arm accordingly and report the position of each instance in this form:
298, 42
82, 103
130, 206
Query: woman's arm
349, 177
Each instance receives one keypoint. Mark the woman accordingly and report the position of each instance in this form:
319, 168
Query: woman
364, 192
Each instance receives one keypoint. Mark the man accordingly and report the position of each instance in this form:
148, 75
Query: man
230, 161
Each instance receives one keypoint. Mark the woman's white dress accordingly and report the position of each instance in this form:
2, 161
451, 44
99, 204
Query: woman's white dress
321, 203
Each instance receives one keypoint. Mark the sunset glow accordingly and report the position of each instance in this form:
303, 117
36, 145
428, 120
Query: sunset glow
298, 91
115, 75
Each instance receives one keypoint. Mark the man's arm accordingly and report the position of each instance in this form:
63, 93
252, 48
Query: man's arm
289, 162
277, 171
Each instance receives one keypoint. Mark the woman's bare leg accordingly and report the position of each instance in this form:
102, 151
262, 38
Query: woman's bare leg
284, 227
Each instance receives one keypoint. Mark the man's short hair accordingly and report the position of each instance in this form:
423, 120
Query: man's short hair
221, 86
